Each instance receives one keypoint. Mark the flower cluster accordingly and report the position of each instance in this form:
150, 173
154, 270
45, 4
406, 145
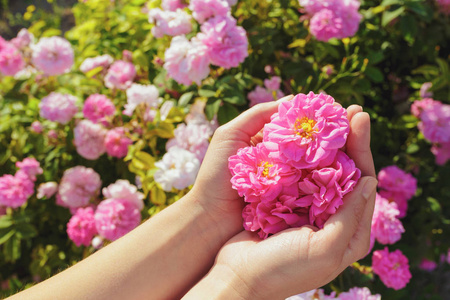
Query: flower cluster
297, 175
332, 18
270, 92
397, 186
434, 124
355, 293
392, 267
220, 41
16, 189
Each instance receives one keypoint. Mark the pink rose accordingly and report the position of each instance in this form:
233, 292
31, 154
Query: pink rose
116, 142
120, 75
205, 9
78, 186
11, 60
30, 167
392, 267
81, 227
89, 139
58, 107
53, 55
98, 108
171, 23
15, 190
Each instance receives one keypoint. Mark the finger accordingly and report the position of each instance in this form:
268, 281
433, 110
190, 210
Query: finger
341, 227
358, 143
353, 110
250, 122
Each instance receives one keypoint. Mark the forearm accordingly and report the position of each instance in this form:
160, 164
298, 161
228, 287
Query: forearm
161, 259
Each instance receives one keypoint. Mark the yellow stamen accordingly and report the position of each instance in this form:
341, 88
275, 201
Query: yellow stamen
305, 127
266, 167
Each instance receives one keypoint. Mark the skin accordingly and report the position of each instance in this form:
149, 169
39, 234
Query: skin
168, 255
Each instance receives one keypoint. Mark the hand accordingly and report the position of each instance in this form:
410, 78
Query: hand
301, 259
212, 188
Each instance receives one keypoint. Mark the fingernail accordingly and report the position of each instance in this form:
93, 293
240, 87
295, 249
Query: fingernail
286, 98
369, 187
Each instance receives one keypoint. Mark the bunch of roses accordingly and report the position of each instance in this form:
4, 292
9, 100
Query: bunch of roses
21, 57
16, 189
109, 219
434, 124
297, 175
332, 18
220, 41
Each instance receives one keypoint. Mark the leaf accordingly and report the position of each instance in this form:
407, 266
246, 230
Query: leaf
434, 205
185, 99
165, 130
207, 93
157, 195
408, 27
388, 15
93, 72
5, 221
7, 236
413, 148
226, 113
26, 231
142, 160
374, 74
391, 2
212, 109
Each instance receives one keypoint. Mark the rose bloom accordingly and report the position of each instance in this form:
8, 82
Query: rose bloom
258, 174
31, 167
91, 63
53, 55
139, 94
419, 106
187, 61
324, 188
392, 267
116, 142
178, 169
125, 190
424, 93
173, 5
11, 60
309, 130
386, 228
81, 227
427, 265
317, 294
205, 9
15, 190
171, 23
358, 293
78, 186
47, 189
435, 122
89, 139
58, 107
24, 39
116, 217
273, 83
120, 75
260, 95
398, 186
441, 152
36, 126
227, 43
192, 137
98, 108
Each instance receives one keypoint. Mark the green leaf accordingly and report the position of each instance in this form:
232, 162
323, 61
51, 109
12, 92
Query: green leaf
26, 231
212, 109
234, 96
391, 2
413, 148
374, 74
408, 27
5, 221
157, 195
434, 205
388, 15
185, 99
7, 236
207, 93
227, 112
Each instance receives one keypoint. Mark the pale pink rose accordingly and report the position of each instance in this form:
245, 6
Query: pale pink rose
30, 167
89, 139
192, 137
317, 294
260, 95
324, 188
173, 5
427, 265
98, 108
187, 61
15, 190
435, 122
11, 60
116, 217
171, 23
227, 43
138, 94
419, 106
392, 267
424, 93
36, 127
272, 83
116, 142
398, 186
441, 153
91, 63
205, 9
53, 55
386, 227
197, 116
58, 107
125, 190
47, 189
309, 129
177, 169
120, 75
78, 186
358, 293
81, 227
326, 24
24, 39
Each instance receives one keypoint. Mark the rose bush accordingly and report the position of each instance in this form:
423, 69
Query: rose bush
107, 124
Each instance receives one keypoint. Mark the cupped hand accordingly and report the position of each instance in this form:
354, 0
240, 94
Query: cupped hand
301, 259
212, 188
